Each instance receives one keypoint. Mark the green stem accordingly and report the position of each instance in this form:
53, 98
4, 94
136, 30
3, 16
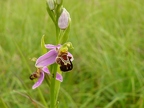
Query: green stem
57, 34
57, 87
52, 88
57, 28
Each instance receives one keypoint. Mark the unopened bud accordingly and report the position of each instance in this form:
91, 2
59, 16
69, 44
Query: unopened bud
51, 4
63, 21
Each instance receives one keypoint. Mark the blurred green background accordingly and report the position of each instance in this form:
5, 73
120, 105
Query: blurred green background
108, 37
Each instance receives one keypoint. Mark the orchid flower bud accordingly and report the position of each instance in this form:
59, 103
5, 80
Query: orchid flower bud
51, 4
64, 19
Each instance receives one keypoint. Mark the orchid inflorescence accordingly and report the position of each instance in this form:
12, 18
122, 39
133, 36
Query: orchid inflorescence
56, 58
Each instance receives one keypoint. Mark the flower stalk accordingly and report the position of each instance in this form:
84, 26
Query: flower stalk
57, 59
53, 87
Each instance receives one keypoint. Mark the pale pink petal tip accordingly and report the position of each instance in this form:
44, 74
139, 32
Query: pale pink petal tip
50, 46
40, 80
59, 77
46, 70
69, 54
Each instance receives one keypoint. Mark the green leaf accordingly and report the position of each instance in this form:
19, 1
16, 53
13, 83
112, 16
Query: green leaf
44, 50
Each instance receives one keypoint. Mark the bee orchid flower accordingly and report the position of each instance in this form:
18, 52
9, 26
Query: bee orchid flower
40, 73
56, 54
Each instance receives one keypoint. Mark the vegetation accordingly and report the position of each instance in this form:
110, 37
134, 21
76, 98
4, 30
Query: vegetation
107, 36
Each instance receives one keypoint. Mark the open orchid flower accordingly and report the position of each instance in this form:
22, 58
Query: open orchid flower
55, 55
40, 75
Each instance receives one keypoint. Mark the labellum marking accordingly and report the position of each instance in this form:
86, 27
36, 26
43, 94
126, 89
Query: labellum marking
65, 62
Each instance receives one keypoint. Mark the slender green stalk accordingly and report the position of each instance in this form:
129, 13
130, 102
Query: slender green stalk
55, 15
57, 34
52, 88
57, 85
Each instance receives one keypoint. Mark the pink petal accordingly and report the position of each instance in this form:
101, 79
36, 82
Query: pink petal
40, 80
46, 59
45, 69
50, 46
59, 77
69, 54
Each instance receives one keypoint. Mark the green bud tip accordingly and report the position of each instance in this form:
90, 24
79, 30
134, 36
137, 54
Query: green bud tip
65, 47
